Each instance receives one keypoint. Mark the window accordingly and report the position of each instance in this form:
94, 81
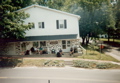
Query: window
61, 24
68, 43
35, 44
43, 43
41, 25
64, 44
23, 47
31, 24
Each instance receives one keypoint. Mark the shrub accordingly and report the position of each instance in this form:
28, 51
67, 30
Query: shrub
9, 62
56, 63
84, 64
104, 65
93, 64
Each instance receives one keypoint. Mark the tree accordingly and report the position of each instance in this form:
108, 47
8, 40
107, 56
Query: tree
56, 4
11, 22
108, 24
117, 10
22, 3
41, 2
96, 17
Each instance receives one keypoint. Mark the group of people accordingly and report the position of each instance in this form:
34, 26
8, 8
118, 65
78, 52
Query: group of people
35, 50
40, 50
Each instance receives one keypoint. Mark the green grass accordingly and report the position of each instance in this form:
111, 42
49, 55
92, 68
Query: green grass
94, 64
41, 63
95, 55
115, 40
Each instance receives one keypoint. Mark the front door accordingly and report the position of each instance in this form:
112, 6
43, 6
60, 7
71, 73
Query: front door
66, 44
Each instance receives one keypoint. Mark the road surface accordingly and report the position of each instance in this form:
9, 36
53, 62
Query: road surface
58, 75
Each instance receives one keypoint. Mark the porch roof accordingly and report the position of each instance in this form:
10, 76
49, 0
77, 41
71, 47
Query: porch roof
50, 37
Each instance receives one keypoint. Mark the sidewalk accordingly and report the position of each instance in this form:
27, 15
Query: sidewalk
114, 52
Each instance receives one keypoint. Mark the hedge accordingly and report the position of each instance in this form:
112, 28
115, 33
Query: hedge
93, 64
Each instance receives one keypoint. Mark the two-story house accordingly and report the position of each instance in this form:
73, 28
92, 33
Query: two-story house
52, 29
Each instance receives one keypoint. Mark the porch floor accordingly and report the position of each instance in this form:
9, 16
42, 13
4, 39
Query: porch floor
66, 55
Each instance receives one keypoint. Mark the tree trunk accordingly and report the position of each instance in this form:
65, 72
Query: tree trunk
87, 39
113, 38
83, 40
108, 35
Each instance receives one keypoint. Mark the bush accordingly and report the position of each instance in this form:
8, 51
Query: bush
93, 64
9, 62
84, 64
56, 63
104, 65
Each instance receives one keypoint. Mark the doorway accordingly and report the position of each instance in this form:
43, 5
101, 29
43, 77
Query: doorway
66, 44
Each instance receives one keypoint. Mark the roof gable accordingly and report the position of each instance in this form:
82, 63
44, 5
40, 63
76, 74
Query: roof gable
50, 9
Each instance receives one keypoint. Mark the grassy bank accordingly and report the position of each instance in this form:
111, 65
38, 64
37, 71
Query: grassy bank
94, 65
93, 52
115, 40
41, 63
95, 55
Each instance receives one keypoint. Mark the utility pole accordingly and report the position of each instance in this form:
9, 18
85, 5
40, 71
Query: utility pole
48, 81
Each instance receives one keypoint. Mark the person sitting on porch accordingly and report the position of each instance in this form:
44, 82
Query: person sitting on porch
71, 51
53, 51
61, 51
75, 50
27, 52
32, 50
41, 50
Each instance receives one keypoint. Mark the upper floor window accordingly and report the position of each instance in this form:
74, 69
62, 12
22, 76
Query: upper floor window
41, 25
61, 24
31, 24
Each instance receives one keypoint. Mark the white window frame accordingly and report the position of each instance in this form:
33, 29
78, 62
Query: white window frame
61, 24
41, 25
33, 25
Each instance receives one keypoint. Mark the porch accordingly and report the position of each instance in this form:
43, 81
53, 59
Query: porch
66, 55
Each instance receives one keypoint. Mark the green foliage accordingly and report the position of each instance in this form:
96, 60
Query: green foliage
96, 55
42, 63
12, 23
84, 64
9, 62
56, 63
104, 65
96, 16
93, 64
56, 4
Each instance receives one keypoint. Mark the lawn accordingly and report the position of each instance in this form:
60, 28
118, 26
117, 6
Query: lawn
95, 54
115, 40
41, 63
94, 65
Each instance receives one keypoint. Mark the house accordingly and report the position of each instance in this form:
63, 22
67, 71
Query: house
52, 29
114, 2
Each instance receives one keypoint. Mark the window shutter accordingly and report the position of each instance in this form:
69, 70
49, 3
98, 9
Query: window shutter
43, 25
33, 25
57, 23
65, 24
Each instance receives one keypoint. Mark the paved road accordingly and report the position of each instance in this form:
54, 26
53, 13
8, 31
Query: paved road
58, 75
